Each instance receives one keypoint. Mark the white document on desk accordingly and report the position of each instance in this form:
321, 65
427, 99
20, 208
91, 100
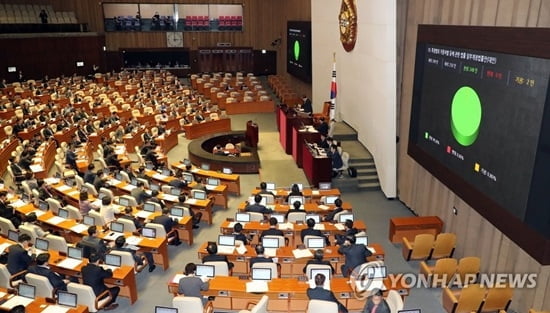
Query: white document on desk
69, 263
315, 192
257, 286
160, 176
339, 226
286, 226
143, 214
79, 228
17, 204
56, 309
241, 249
38, 212
36, 167
191, 201
319, 227
63, 188
54, 220
129, 187
302, 253
51, 180
4, 246
171, 198
323, 207
133, 240
17, 300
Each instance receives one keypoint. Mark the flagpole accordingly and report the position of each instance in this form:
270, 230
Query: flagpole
333, 89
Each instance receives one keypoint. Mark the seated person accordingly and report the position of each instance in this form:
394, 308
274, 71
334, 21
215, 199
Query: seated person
168, 223
272, 231
337, 162
92, 244
349, 231
323, 126
93, 276
264, 191
338, 208
213, 255
218, 150
120, 243
320, 293
107, 210
318, 259
257, 207
260, 258
294, 191
19, 255
139, 193
191, 285
42, 268
296, 207
129, 216
195, 217
310, 231
376, 303
84, 204
237, 232
356, 254
30, 222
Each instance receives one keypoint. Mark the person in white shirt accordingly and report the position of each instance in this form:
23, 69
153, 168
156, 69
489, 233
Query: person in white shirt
107, 210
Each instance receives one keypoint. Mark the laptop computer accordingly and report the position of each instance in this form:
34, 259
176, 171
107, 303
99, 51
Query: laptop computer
188, 177
279, 217
88, 220
175, 191
149, 232
100, 195
205, 166
63, 213
166, 172
165, 309
123, 201
112, 261
364, 240
43, 205
204, 270
212, 181
345, 216
226, 244
330, 199
26, 295
315, 243
186, 162
118, 176
227, 170
242, 217
154, 187
271, 245
74, 258
261, 274
315, 217
117, 229
270, 186
149, 166
67, 299
327, 272
133, 181
176, 212
325, 186
199, 195
13, 235
41, 245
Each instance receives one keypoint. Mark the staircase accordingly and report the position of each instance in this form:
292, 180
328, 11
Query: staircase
360, 159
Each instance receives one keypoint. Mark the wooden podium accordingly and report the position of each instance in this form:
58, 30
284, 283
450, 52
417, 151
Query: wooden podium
409, 227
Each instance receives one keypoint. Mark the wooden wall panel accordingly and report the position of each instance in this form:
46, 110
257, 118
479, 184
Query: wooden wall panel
424, 194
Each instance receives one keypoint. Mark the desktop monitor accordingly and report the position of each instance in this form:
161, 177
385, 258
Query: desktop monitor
226, 240
227, 170
154, 187
149, 207
188, 177
270, 242
41, 244
261, 274
186, 162
293, 199
117, 227
123, 201
315, 217
212, 181
164, 309
88, 220
74, 253
345, 216
133, 181
13, 235
25, 198
325, 271
409, 311
166, 172
376, 272
63, 213
205, 270
176, 211
149, 232
199, 195
330, 199
66, 298
242, 217
315, 243
205, 166
364, 240
26, 290
175, 191
279, 217
113, 260
149, 166
325, 186
43, 205
270, 186
118, 176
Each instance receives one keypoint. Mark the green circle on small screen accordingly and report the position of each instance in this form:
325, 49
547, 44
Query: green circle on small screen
296, 50
465, 115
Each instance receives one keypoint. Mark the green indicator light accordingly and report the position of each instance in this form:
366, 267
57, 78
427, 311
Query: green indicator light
465, 116
426, 135
296, 50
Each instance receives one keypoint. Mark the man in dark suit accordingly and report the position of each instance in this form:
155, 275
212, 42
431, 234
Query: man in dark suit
139, 193
42, 268
349, 231
7, 211
18, 172
310, 231
213, 255
260, 258
93, 243
93, 276
195, 217
257, 207
70, 158
376, 304
306, 106
168, 223
18, 256
128, 215
89, 175
264, 191
320, 293
356, 254
323, 127
272, 231
120, 242
318, 259
338, 208
237, 232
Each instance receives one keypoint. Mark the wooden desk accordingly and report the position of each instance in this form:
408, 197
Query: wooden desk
193, 131
308, 208
40, 304
309, 194
5, 154
409, 227
233, 181
250, 107
299, 134
317, 168
167, 141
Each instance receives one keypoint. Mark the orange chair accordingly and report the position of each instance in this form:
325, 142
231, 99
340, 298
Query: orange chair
420, 249
469, 299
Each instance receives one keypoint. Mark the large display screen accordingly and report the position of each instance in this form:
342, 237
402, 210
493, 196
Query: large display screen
299, 50
479, 110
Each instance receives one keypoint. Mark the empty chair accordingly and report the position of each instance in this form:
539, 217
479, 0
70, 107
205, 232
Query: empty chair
125, 176
7, 280
44, 288
468, 270
467, 300
191, 305
126, 258
56, 243
79, 182
98, 218
160, 232
220, 267
394, 300
441, 273
315, 306
29, 230
74, 213
420, 248
294, 217
129, 225
107, 192
497, 298
53, 205
444, 246
259, 307
6, 225
85, 296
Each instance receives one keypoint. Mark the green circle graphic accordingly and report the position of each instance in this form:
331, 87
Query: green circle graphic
296, 50
466, 116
